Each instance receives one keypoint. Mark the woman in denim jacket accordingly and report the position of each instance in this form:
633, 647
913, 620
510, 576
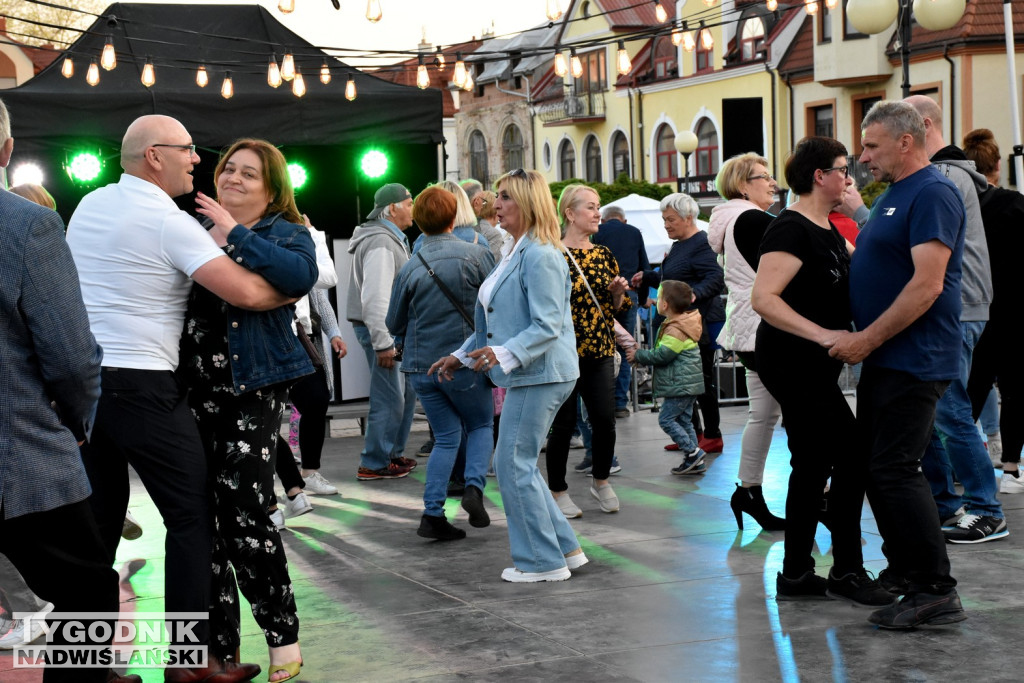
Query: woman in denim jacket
239, 365
432, 326
524, 340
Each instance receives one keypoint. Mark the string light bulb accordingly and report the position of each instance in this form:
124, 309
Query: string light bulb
325, 73
202, 77
227, 88
439, 59
373, 11
554, 10
624, 65
659, 12
707, 41
148, 74
422, 77
273, 72
561, 68
811, 7
67, 69
288, 66
286, 6
576, 65
459, 75
468, 85
298, 84
108, 58
689, 43
831, 4
710, 3
350, 89
92, 76
772, 5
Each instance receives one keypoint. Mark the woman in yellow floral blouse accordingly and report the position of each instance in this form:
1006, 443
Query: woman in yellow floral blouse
579, 209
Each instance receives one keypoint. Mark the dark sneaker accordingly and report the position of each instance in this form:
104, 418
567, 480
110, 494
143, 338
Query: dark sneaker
425, 449
622, 412
893, 582
692, 459
473, 503
951, 521
392, 471
977, 529
404, 462
439, 528
918, 609
859, 588
810, 586
584, 467
456, 488
700, 468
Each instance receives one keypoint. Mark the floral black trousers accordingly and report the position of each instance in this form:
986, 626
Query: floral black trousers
239, 434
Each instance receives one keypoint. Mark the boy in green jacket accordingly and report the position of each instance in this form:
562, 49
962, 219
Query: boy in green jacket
678, 378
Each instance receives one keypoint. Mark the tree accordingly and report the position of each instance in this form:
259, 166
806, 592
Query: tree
35, 24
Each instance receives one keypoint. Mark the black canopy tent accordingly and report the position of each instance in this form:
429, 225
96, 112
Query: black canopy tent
54, 117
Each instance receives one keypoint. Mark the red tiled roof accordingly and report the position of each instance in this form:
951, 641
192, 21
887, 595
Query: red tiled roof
631, 14
404, 73
41, 56
982, 20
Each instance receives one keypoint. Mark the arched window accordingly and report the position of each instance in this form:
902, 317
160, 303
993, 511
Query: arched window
566, 161
512, 148
707, 148
705, 57
478, 157
665, 58
546, 154
620, 155
592, 152
752, 39
665, 146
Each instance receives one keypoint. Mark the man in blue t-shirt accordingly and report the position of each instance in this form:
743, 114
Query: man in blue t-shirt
905, 298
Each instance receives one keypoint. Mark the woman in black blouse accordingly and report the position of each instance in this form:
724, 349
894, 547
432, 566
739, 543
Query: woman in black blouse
801, 293
579, 209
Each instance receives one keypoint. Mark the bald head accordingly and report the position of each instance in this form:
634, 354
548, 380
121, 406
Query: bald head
931, 112
156, 148
144, 132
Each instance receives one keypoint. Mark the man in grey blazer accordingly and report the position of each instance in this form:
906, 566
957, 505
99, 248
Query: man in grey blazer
49, 385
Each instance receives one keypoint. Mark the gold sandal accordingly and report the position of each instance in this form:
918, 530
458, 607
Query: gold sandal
291, 668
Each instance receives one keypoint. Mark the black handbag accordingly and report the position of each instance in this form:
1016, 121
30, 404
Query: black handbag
315, 357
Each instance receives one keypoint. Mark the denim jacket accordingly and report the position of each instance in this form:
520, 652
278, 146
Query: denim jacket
263, 348
421, 312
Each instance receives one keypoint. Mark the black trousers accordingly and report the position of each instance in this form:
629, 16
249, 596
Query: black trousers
895, 414
708, 401
143, 419
596, 385
821, 431
311, 396
990, 363
61, 556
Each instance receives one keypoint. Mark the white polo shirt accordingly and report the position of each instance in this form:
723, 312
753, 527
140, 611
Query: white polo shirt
135, 251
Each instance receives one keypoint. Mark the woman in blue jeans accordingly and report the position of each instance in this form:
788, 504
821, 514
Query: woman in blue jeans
525, 341
432, 325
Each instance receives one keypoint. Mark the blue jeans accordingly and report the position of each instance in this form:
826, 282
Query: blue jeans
539, 535
391, 405
464, 403
627, 319
956, 445
675, 419
989, 417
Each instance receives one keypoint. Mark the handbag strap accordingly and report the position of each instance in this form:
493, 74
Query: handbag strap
585, 283
447, 292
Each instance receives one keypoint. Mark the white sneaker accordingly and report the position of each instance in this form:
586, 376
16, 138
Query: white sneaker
1011, 484
317, 485
277, 517
299, 506
576, 561
995, 449
513, 575
568, 508
17, 636
576, 442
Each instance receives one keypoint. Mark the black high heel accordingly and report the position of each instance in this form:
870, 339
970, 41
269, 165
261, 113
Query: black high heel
751, 501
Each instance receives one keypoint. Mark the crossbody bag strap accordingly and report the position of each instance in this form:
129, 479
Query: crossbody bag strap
585, 283
447, 292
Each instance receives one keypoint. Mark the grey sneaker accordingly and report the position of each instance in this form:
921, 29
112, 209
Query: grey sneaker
568, 508
584, 467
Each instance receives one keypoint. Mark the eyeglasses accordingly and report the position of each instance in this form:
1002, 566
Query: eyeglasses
191, 148
518, 173
763, 176
845, 170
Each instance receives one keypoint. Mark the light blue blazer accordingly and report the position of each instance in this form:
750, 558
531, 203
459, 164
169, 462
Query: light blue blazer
529, 315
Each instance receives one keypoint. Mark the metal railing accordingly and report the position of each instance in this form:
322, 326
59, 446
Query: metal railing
582, 106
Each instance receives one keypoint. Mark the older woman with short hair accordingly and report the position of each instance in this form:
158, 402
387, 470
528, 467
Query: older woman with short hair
735, 231
801, 292
692, 261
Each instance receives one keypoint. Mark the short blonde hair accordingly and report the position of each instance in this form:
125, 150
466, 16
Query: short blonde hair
532, 195
465, 214
734, 173
572, 197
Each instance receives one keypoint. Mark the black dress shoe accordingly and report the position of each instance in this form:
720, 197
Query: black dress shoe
439, 528
473, 503
216, 671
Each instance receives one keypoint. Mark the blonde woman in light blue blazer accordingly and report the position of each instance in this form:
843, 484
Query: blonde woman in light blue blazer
525, 342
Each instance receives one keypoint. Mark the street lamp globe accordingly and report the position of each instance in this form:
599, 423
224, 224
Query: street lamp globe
686, 142
872, 16
938, 15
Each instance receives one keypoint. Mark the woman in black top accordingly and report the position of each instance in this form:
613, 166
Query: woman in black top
801, 293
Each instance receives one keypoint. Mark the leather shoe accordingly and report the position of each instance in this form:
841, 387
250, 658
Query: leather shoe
113, 677
217, 671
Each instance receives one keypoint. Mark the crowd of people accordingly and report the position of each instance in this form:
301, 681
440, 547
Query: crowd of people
174, 345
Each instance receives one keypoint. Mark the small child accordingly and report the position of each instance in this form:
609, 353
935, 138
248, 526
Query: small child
678, 377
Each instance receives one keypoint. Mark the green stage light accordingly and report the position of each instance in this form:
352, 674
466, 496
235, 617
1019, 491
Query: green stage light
298, 175
84, 167
374, 164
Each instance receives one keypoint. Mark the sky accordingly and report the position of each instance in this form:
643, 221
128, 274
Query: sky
404, 21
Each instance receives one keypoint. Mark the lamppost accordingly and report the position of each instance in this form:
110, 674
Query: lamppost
686, 142
875, 16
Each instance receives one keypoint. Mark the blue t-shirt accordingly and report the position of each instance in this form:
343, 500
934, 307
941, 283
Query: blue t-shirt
922, 207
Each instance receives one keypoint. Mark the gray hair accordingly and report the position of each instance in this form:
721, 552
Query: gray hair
682, 204
610, 212
5, 123
386, 213
898, 118
472, 186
